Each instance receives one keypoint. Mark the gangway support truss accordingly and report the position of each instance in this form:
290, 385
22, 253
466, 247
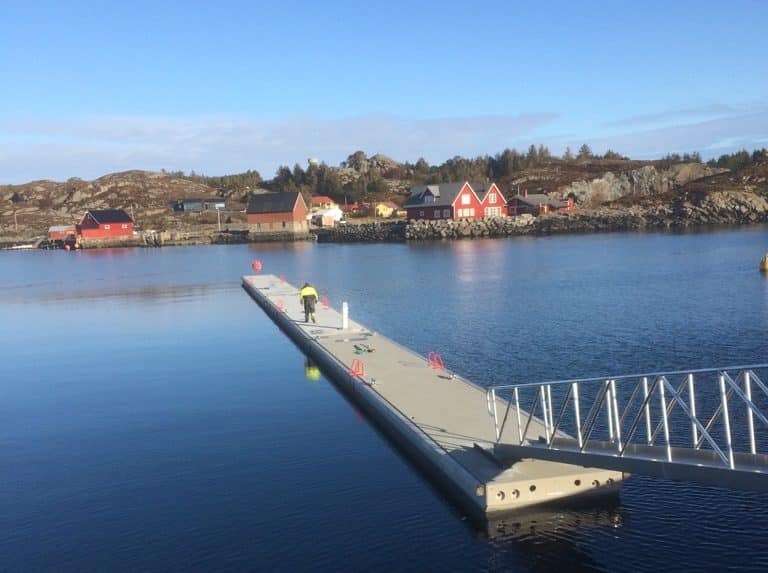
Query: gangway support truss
708, 426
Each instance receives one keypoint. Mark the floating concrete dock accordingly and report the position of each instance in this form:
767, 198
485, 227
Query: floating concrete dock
442, 421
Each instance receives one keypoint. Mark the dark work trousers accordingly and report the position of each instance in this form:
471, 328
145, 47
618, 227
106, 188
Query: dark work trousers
309, 308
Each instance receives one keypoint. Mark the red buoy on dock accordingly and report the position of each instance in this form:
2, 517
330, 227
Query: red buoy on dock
256, 265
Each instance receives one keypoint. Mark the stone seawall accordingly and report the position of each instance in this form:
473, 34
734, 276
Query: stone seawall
364, 233
465, 229
203, 237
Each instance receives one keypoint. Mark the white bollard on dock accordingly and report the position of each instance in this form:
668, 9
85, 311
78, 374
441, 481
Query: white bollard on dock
344, 316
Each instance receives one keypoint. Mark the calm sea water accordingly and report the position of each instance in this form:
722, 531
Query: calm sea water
152, 417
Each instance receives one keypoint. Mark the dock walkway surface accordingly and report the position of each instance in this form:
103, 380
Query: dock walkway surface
439, 418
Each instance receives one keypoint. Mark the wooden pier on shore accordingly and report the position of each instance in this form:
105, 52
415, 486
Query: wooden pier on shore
441, 420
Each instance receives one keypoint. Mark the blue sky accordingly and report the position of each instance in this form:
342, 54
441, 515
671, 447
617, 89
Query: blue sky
90, 88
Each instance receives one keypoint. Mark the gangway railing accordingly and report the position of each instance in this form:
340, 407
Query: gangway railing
707, 425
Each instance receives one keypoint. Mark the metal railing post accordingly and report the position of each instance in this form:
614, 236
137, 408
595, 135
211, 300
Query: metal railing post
495, 415
616, 414
577, 412
549, 409
692, 403
726, 420
608, 406
750, 418
647, 411
543, 395
517, 413
664, 418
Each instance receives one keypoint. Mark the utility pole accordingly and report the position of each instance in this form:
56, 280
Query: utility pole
218, 217
15, 222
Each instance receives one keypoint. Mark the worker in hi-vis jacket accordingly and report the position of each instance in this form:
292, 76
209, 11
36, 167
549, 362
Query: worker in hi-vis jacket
308, 296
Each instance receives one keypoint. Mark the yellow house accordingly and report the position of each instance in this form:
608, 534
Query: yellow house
386, 209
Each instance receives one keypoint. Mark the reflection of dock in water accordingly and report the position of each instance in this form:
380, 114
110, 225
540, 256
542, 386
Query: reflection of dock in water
550, 537
555, 520
441, 420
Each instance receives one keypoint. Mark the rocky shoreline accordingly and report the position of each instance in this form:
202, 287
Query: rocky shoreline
718, 208
158, 239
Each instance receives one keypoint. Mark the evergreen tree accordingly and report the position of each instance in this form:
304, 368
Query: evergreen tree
532, 157
584, 152
298, 174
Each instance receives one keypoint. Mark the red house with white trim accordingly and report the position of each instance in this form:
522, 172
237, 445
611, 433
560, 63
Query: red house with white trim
455, 201
104, 224
492, 201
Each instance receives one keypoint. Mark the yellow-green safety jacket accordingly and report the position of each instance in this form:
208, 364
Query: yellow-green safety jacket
308, 290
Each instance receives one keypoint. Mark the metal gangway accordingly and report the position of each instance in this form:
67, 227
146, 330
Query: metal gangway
708, 426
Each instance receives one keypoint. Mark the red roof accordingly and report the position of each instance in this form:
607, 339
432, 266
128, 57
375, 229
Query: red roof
320, 199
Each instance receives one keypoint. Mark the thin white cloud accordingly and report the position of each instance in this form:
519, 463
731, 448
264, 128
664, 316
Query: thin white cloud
682, 113
711, 137
88, 148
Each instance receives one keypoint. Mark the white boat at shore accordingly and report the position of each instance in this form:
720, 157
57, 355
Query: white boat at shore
19, 247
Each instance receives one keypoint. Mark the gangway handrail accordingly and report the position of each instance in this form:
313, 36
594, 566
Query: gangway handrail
714, 429
625, 376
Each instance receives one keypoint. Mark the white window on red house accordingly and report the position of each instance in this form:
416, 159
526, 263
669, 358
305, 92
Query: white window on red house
492, 198
106, 227
446, 213
421, 213
472, 212
465, 200
437, 213
123, 226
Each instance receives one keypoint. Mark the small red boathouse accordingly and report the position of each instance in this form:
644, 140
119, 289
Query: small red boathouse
105, 223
